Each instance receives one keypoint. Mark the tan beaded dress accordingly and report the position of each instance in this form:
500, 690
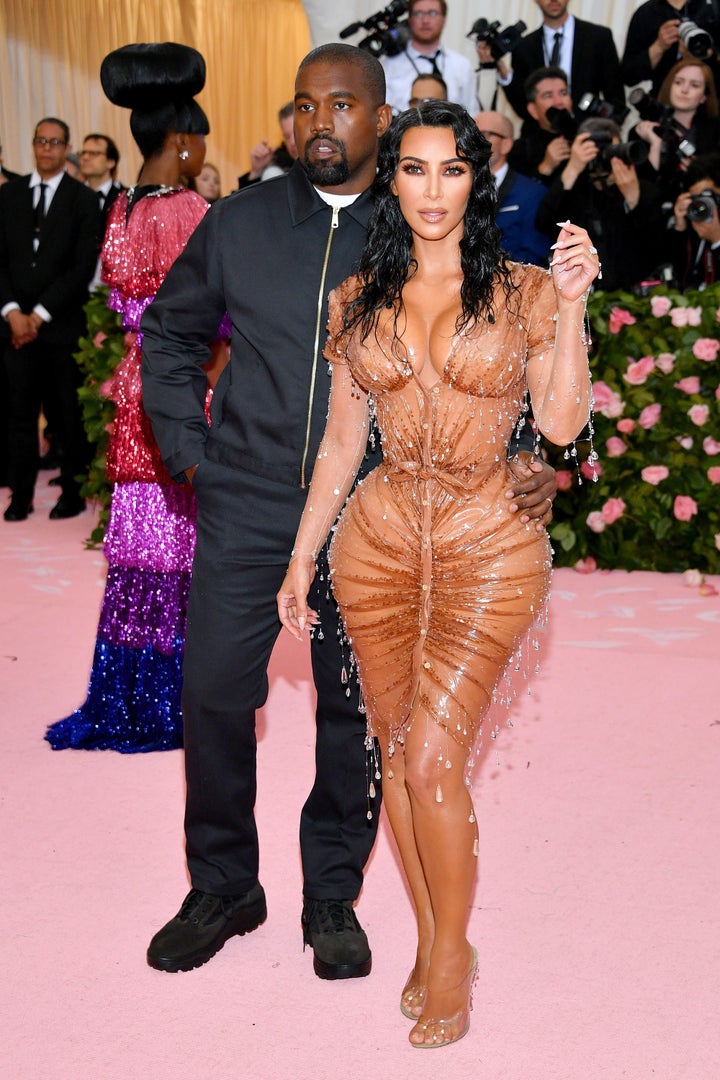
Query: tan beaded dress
436, 580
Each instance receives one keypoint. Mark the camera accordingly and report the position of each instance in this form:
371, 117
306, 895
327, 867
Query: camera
563, 122
592, 105
696, 40
702, 207
630, 153
499, 41
672, 134
390, 33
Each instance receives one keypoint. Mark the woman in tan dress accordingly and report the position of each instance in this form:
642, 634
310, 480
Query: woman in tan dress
438, 340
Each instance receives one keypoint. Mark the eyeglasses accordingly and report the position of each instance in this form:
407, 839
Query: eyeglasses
40, 140
433, 13
92, 153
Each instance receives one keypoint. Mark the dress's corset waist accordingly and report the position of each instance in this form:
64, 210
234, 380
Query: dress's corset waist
460, 483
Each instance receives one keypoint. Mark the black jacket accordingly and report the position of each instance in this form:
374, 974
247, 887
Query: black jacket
58, 274
595, 65
269, 256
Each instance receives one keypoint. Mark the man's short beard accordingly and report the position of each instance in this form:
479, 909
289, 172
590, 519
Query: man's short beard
327, 175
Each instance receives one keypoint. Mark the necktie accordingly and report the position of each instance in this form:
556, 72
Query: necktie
101, 198
557, 44
39, 213
435, 70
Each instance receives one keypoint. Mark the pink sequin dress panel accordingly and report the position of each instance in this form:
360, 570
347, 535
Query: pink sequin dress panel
136, 256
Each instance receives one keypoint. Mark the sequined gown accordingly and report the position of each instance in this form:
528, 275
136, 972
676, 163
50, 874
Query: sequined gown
133, 701
436, 580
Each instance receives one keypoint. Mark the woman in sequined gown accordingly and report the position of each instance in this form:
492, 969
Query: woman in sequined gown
133, 701
438, 338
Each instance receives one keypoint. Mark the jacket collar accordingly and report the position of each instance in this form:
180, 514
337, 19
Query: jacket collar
304, 200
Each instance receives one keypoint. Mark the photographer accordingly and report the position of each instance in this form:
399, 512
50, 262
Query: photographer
543, 148
600, 189
424, 55
585, 51
663, 31
695, 236
688, 124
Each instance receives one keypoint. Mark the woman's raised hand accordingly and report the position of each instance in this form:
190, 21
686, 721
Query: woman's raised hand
575, 263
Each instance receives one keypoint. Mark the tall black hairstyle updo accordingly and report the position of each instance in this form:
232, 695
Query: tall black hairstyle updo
158, 82
387, 261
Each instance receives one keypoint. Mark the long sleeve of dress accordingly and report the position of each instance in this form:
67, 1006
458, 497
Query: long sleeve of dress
342, 446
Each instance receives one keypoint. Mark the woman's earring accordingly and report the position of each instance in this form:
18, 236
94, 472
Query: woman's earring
184, 155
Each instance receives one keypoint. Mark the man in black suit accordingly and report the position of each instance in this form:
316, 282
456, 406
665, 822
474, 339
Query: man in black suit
49, 235
99, 159
585, 51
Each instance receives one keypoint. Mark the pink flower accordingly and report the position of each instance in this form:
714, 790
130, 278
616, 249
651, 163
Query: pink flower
649, 416
654, 474
615, 446
620, 317
713, 474
595, 521
684, 508
706, 348
591, 471
627, 426
686, 441
694, 316
711, 446
699, 414
105, 389
612, 510
693, 578
586, 566
606, 401
638, 372
563, 479
660, 305
690, 385
98, 339
678, 316
666, 362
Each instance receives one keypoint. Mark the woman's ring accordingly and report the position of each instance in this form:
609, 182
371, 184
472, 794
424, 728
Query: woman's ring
549, 500
592, 249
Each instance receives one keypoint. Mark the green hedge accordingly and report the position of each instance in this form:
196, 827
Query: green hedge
99, 353
656, 376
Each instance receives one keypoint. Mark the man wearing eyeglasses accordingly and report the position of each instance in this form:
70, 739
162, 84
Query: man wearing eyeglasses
99, 159
49, 240
424, 55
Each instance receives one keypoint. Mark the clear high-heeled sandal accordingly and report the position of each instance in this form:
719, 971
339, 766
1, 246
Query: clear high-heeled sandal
412, 997
445, 1032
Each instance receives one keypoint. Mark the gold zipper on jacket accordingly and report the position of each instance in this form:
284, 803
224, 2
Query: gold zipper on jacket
321, 295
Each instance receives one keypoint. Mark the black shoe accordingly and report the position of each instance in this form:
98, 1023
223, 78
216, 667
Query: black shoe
18, 510
202, 926
340, 945
67, 506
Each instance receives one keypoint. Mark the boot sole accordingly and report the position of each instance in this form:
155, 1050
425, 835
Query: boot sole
237, 927
342, 971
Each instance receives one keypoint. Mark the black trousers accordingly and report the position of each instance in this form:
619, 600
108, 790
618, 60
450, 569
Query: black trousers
36, 372
245, 531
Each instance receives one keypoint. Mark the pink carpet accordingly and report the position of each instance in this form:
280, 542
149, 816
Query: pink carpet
596, 911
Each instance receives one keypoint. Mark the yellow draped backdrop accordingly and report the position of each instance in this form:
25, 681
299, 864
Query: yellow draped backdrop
53, 51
